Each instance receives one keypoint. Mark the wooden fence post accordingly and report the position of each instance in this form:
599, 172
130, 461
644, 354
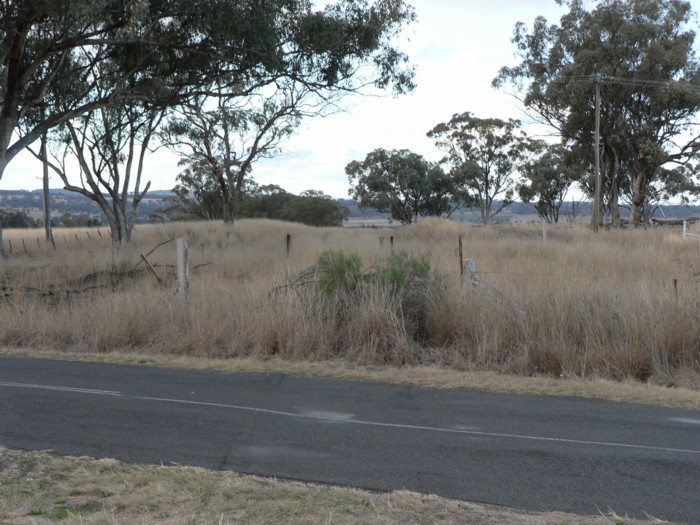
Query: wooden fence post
286, 259
182, 267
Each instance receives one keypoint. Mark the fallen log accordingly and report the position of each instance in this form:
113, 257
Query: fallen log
675, 222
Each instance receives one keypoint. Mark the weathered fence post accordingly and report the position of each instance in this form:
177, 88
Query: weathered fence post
544, 231
470, 265
461, 260
182, 267
286, 259
685, 230
381, 242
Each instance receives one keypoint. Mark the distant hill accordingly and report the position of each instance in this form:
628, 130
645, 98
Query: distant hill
63, 201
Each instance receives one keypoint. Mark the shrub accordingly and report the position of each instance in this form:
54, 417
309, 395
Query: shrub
403, 283
340, 272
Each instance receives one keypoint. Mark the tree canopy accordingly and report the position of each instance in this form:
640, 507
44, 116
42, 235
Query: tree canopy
402, 184
483, 155
547, 179
642, 52
160, 52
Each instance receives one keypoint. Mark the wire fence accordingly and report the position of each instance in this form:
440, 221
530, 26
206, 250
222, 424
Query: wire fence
38, 245
687, 230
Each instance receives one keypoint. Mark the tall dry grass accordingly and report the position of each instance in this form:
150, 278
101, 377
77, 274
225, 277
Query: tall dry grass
619, 304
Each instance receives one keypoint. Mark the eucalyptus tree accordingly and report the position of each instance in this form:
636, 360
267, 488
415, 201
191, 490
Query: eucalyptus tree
483, 155
163, 52
109, 145
226, 135
642, 52
402, 184
547, 179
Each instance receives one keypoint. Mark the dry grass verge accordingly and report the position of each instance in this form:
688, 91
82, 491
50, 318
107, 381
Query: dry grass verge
39, 488
621, 305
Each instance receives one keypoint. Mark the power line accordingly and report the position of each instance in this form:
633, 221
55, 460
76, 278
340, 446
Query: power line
634, 82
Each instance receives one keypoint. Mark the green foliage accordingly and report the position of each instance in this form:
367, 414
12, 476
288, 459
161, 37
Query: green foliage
547, 180
199, 197
167, 53
341, 272
18, 219
402, 184
317, 209
221, 144
643, 54
483, 155
196, 196
267, 202
405, 279
401, 271
82, 220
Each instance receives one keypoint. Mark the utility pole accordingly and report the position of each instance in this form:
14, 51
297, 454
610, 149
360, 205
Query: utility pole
598, 78
595, 220
47, 212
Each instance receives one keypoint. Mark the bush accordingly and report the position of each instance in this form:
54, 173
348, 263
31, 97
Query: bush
404, 284
340, 272
18, 219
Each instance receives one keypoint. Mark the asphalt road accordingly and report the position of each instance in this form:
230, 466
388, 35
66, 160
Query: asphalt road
529, 452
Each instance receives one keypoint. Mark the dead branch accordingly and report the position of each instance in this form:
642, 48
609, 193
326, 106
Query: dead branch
161, 243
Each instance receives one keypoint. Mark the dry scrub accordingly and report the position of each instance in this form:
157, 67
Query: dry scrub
617, 305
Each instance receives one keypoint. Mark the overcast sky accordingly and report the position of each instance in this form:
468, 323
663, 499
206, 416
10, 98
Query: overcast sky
458, 47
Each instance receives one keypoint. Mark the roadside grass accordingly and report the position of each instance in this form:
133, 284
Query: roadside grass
39, 488
620, 305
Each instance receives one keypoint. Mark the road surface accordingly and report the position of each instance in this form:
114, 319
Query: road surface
530, 452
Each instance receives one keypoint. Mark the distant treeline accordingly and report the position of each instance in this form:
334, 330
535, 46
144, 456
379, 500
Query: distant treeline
22, 209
